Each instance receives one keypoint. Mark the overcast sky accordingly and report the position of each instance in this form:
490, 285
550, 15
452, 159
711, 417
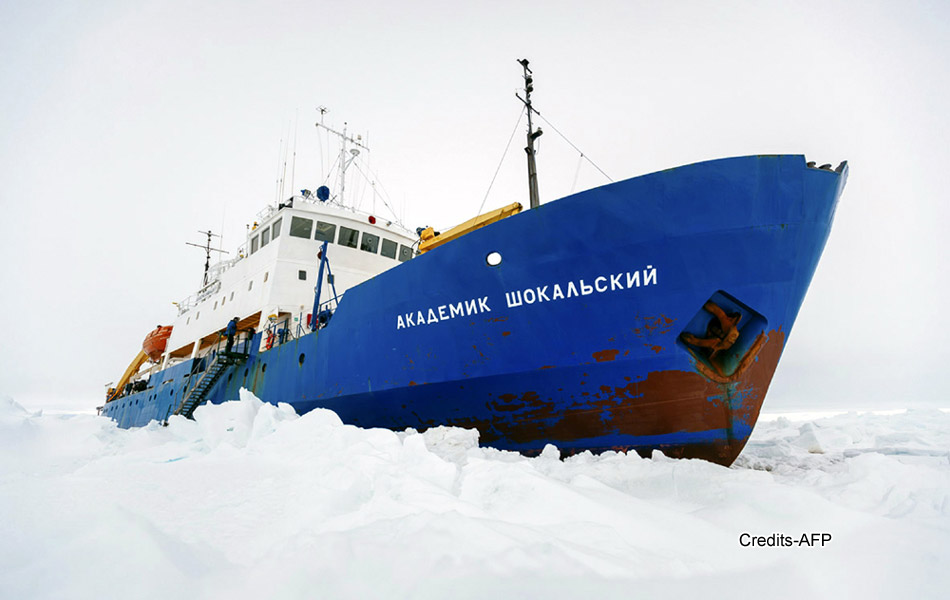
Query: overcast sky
125, 127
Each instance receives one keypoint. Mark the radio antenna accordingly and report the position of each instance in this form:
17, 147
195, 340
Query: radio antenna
208, 250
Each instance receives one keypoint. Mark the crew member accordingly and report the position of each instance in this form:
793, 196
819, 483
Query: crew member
230, 331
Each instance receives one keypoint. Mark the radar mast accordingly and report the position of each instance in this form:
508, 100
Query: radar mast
532, 134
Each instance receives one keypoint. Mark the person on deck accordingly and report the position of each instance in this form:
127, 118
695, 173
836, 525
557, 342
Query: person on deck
230, 330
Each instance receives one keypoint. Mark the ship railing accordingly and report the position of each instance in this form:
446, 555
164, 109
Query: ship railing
266, 213
313, 200
216, 270
281, 332
241, 345
326, 309
198, 297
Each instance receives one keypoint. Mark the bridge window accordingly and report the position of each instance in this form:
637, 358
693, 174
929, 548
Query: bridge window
302, 275
325, 232
370, 242
301, 227
348, 237
254, 244
265, 237
275, 229
405, 253
389, 248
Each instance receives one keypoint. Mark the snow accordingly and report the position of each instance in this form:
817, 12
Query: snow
252, 501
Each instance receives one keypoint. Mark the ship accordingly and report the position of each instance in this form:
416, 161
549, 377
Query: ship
645, 314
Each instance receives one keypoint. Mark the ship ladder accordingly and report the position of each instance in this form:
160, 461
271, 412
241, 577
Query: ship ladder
199, 393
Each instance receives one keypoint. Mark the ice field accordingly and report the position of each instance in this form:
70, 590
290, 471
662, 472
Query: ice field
252, 501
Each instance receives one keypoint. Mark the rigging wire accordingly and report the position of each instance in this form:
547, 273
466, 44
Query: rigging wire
584, 156
376, 180
381, 197
503, 155
577, 171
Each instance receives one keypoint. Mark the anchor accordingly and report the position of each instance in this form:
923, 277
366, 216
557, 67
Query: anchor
719, 336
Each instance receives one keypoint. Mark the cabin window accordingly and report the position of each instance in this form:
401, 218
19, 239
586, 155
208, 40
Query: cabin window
370, 242
215, 305
275, 229
302, 275
232, 296
197, 315
325, 232
405, 253
254, 244
389, 248
265, 276
223, 298
250, 284
301, 227
188, 320
348, 237
265, 237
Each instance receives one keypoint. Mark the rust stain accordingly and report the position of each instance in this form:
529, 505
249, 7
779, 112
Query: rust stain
662, 403
545, 367
747, 360
411, 383
497, 319
505, 333
656, 349
605, 355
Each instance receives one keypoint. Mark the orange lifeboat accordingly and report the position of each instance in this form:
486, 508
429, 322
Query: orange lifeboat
154, 344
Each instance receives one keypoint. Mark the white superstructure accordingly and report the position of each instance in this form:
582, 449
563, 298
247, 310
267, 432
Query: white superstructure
272, 279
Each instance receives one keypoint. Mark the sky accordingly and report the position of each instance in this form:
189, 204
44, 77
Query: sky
125, 128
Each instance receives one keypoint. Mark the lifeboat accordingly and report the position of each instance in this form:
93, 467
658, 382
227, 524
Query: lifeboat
154, 343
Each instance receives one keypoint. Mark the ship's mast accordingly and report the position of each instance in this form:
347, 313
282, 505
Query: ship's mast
208, 250
532, 134
344, 161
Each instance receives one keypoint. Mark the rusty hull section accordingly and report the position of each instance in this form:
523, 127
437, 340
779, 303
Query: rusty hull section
685, 414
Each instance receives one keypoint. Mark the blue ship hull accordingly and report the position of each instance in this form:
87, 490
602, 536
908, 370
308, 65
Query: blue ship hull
580, 336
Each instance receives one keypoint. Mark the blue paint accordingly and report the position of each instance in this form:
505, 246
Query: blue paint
750, 229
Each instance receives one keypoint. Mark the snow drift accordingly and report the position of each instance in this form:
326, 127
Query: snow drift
251, 501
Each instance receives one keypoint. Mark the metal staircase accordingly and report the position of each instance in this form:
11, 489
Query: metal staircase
199, 393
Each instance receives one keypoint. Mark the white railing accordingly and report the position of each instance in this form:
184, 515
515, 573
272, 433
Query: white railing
200, 296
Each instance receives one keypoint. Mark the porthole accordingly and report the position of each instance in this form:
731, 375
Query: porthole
300, 360
493, 259
264, 368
